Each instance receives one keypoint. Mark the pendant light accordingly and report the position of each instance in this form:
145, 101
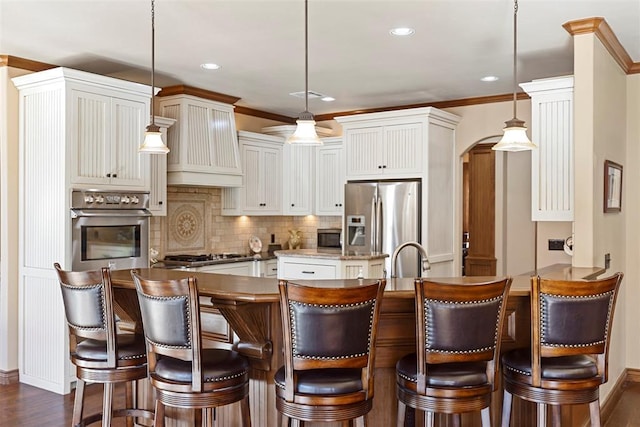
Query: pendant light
515, 132
305, 133
153, 143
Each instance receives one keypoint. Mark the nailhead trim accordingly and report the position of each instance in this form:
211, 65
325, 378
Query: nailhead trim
226, 377
469, 351
311, 357
543, 318
517, 370
407, 378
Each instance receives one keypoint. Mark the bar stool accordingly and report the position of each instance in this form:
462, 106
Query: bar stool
329, 352
183, 374
455, 366
567, 362
99, 353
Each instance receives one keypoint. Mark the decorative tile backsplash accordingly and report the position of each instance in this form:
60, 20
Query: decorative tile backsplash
194, 225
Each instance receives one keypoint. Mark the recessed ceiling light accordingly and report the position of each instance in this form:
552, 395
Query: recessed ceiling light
402, 31
209, 66
328, 99
489, 78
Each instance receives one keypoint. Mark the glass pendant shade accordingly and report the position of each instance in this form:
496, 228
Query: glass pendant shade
153, 143
305, 133
515, 137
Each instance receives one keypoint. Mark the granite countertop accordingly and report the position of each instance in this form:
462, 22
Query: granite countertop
522, 282
333, 255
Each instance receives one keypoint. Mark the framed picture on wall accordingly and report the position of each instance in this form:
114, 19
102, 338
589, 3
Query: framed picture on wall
612, 186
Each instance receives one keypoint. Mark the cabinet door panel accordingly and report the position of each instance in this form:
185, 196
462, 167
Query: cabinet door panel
299, 180
253, 185
91, 137
364, 151
330, 181
271, 173
128, 167
402, 149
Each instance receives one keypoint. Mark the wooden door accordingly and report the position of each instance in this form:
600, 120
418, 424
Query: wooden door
481, 260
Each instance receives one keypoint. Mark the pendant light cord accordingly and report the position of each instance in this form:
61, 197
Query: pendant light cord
306, 55
515, 50
153, 60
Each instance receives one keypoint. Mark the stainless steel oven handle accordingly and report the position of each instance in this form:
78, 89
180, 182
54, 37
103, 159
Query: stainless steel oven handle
113, 213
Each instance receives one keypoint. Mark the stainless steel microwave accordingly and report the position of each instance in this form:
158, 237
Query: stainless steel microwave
329, 238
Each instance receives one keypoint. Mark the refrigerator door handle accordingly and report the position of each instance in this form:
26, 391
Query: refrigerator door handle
374, 222
379, 225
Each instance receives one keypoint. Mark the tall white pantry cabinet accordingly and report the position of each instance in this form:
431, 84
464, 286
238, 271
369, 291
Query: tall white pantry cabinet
77, 130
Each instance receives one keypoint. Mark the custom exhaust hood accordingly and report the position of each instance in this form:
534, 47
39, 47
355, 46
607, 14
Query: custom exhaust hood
204, 141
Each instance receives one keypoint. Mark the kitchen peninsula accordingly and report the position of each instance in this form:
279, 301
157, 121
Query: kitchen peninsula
251, 306
312, 264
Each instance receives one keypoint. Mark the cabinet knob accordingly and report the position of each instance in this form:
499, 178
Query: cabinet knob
160, 202
108, 175
384, 166
308, 272
293, 204
379, 166
115, 175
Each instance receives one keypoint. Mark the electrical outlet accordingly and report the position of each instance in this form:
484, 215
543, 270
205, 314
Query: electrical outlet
607, 261
556, 244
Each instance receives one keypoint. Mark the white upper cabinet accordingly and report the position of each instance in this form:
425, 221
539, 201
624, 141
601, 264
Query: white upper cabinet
552, 167
104, 143
298, 180
261, 192
392, 148
203, 142
330, 177
103, 126
158, 194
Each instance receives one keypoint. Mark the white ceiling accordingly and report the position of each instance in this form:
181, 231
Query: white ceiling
352, 57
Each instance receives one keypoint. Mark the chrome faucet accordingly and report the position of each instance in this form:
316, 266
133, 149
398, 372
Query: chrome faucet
423, 253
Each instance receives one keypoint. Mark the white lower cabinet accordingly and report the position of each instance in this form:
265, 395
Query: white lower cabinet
245, 268
309, 268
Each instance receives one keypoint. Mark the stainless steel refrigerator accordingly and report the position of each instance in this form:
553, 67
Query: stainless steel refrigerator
381, 215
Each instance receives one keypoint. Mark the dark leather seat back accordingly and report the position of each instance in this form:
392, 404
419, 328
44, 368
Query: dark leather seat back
329, 353
331, 330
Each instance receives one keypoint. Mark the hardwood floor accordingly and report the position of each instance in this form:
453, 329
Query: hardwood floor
26, 406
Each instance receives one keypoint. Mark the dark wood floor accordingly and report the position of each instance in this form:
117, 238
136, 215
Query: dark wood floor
26, 406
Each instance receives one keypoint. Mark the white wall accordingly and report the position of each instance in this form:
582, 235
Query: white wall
631, 204
515, 241
601, 133
8, 220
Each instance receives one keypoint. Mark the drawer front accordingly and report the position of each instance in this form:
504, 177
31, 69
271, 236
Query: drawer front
308, 271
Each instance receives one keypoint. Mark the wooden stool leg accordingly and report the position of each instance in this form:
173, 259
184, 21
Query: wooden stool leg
107, 401
429, 419
246, 413
556, 415
78, 403
594, 413
159, 416
402, 411
456, 420
207, 415
128, 401
506, 408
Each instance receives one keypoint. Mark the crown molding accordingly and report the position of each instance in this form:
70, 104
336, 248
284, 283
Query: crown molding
607, 37
200, 93
24, 64
438, 104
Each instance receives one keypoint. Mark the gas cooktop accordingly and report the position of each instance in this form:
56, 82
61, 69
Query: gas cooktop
189, 260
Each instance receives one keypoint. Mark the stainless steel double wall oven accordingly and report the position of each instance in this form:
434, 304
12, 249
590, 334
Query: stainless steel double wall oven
109, 229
